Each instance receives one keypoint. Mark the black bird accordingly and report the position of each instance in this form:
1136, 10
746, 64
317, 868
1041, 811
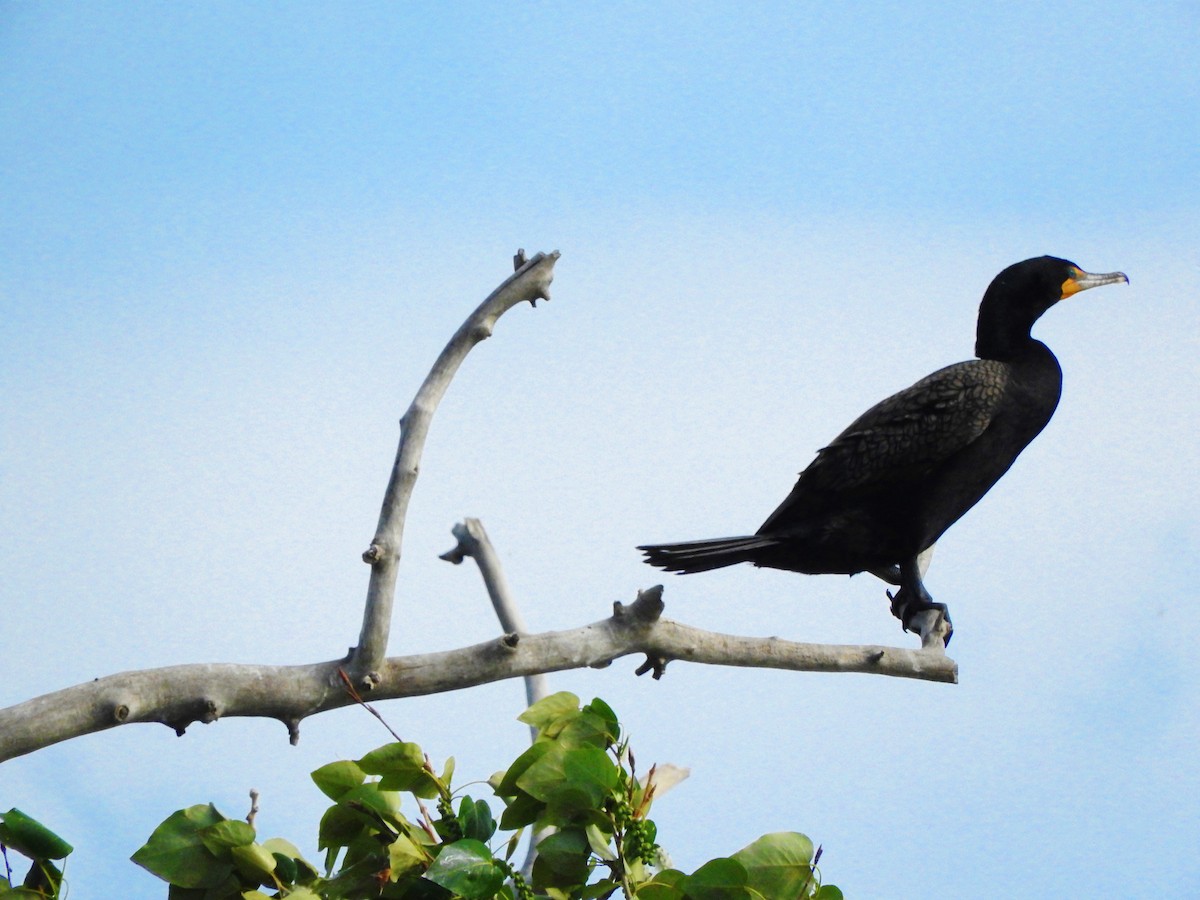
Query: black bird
889, 486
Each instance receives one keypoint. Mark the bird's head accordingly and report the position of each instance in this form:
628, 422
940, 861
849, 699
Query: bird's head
1019, 295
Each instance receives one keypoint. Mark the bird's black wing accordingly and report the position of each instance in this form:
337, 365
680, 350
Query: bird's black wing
901, 438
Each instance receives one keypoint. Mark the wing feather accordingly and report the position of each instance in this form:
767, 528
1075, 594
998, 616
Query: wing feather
901, 438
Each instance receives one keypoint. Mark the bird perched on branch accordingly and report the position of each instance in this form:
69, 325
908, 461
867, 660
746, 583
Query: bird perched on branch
884, 490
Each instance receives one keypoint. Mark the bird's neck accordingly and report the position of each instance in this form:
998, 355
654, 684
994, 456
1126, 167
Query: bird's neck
1002, 336
1035, 375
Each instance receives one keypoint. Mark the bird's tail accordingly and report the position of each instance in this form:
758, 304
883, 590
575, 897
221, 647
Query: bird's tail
701, 556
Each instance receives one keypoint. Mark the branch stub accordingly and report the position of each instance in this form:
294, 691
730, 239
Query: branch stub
656, 665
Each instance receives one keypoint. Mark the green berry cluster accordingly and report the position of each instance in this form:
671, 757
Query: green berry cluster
640, 834
622, 812
639, 841
448, 825
520, 886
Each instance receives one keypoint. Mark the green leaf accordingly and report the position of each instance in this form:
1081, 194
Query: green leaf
405, 856
373, 796
520, 811
44, 879
175, 892
778, 864
466, 868
422, 889
600, 842
587, 728
360, 810
358, 875
475, 819
285, 847
828, 892
666, 885
570, 781
599, 708
549, 710
669, 877
719, 879
335, 778
340, 827
562, 859
30, 837
176, 853
507, 785
286, 868
402, 767
510, 846
605, 887
289, 861
255, 895
254, 861
221, 836
652, 891
302, 893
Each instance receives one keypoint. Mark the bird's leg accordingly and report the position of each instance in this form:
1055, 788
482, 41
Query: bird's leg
892, 573
912, 601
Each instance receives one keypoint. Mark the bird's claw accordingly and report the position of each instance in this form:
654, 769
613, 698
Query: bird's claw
906, 610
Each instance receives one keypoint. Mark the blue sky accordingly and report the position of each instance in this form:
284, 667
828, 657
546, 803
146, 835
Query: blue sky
236, 235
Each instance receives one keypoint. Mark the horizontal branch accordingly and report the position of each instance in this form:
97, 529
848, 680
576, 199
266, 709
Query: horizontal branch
177, 696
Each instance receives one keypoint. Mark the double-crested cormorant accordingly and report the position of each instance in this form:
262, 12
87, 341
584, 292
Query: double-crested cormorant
887, 487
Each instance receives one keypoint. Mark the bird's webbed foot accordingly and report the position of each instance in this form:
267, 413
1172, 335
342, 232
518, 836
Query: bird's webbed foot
916, 609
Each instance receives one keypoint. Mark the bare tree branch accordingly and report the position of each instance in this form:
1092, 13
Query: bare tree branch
177, 696
180, 695
474, 542
253, 814
931, 626
531, 282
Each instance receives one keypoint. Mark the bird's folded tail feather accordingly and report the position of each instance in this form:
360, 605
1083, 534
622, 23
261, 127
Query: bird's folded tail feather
701, 556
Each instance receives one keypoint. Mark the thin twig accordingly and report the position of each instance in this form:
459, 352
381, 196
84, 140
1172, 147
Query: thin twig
253, 814
357, 698
426, 822
473, 541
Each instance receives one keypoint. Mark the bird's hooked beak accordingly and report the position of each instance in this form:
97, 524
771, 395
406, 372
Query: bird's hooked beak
1080, 280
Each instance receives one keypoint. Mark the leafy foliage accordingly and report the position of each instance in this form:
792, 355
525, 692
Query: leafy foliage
29, 837
576, 788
